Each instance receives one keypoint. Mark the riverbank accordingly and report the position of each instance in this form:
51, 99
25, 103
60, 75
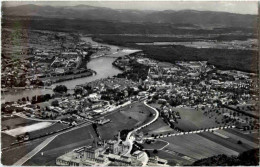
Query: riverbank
58, 79
52, 80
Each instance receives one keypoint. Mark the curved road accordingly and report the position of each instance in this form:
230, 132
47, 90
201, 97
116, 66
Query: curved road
130, 139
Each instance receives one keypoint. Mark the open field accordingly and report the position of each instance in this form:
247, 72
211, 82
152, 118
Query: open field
196, 147
12, 155
61, 144
139, 112
118, 123
239, 137
52, 128
6, 140
158, 127
253, 137
15, 121
230, 143
158, 144
128, 118
192, 119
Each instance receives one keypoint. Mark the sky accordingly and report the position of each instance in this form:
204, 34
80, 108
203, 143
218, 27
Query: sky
242, 7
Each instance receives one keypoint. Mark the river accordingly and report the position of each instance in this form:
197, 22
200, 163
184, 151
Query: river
102, 65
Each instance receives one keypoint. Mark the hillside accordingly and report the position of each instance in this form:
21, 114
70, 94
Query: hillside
113, 27
184, 17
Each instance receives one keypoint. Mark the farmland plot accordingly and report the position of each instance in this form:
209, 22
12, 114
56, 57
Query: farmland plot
196, 146
237, 137
229, 142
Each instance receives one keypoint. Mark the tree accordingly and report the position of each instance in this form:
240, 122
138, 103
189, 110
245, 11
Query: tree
78, 90
60, 89
155, 151
55, 103
47, 97
239, 142
23, 99
33, 99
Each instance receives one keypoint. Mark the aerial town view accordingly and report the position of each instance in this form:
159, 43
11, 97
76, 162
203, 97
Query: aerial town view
129, 83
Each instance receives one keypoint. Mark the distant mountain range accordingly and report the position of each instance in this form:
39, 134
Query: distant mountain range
184, 17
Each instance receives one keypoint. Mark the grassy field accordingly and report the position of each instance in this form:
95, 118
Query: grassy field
9, 157
237, 137
139, 112
192, 119
128, 118
253, 137
61, 144
158, 127
6, 140
196, 147
16, 121
119, 122
52, 128
230, 143
158, 144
